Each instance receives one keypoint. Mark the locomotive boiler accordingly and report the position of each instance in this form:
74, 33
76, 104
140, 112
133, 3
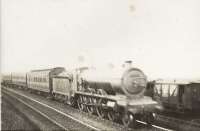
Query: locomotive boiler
130, 82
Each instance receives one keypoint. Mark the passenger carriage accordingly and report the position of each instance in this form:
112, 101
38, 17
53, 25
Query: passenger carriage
6, 79
178, 96
41, 80
19, 80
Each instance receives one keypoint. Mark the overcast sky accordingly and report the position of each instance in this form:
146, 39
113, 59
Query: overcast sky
160, 36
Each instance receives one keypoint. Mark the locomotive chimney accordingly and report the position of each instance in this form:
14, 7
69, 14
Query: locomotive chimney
128, 64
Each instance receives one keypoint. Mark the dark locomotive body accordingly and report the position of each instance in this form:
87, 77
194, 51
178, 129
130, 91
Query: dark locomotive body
182, 97
112, 94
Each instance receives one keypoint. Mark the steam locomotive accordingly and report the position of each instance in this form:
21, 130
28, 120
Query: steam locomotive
114, 94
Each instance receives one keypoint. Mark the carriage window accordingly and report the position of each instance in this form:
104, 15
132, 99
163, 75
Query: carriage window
165, 90
194, 90
157, 89
173, 90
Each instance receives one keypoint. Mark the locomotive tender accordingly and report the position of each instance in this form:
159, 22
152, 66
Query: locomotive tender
112, 94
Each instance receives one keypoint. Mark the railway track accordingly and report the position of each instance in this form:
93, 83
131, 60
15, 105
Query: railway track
57, 113
178, 124
57, 119
12, 118
34, 117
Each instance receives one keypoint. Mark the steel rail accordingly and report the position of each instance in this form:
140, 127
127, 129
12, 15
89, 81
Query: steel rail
33, 108
176, 120
67, 115
155, 126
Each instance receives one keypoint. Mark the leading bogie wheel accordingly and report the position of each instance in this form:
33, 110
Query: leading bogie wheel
128, 120
149, 118
111, 115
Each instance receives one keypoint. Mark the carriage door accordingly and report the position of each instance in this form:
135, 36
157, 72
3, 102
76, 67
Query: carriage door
173, 95
180, 94
50, 83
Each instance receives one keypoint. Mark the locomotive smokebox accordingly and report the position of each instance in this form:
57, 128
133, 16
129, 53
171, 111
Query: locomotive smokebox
133, 81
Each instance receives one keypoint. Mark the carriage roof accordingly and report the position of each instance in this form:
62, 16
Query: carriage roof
179, 82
